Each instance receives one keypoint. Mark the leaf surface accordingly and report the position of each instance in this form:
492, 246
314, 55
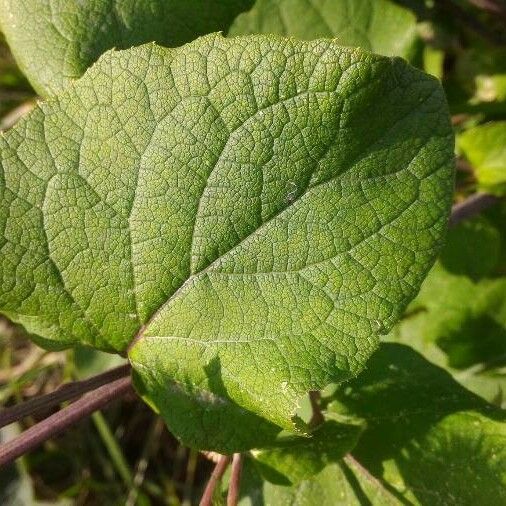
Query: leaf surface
55, 41
380, 26
244, 215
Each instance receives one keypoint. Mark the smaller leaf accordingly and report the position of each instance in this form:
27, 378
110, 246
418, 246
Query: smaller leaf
472, 249
448, 444
433, 61
461, 306
458, 320
55, 41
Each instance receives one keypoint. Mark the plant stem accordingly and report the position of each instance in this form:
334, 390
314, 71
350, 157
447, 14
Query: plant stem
191, 467
219, 470
471, 207
354, 465
235, 480
66, 392
53, 425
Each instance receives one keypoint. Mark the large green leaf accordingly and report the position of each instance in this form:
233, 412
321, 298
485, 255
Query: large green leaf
485, 148
380, 26
448, 445
244, 215
55, 41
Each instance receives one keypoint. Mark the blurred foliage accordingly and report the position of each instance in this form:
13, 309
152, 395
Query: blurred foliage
484, 146
86, 465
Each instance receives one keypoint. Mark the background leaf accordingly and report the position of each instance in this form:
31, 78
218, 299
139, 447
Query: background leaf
481, 71
14, 88
343, 483
89, 362
458, 320
54, 42
301, 458
380, 26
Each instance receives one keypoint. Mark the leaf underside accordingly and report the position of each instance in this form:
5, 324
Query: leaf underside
243, 216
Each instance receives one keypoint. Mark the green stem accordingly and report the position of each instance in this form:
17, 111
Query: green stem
113, 449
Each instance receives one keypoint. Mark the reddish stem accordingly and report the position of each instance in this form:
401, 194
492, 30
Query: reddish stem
67, 392
218, 472
317, 416
471, 207
492, 6
235, 480
53, 425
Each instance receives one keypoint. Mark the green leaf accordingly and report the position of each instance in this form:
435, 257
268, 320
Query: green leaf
458, 321
380, 26
245, 215
301, 458
433, 61
55, 41
344, 483
485, 148
448, 445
